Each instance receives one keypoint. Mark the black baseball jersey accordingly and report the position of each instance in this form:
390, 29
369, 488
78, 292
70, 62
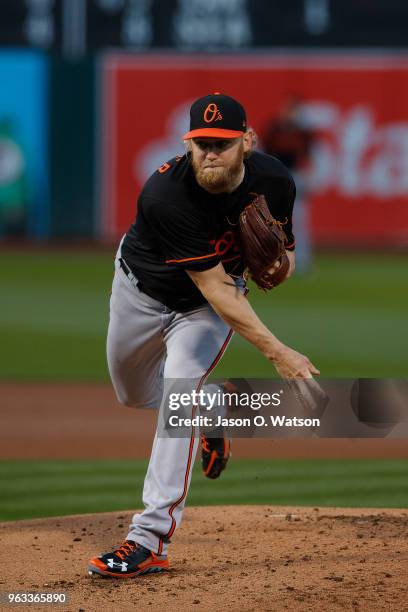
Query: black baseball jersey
179, 226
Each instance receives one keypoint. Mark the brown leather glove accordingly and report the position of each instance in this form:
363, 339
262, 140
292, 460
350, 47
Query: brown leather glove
263, 244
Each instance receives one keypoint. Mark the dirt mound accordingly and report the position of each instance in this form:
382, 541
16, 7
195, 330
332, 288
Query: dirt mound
231, 558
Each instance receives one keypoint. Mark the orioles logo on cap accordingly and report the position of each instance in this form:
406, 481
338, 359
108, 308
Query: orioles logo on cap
212, 113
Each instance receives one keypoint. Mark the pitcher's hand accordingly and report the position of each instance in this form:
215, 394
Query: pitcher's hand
291, 364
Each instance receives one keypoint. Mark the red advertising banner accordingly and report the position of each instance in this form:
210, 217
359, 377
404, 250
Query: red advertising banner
356, 105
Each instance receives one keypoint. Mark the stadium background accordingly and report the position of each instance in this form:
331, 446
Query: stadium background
93, 97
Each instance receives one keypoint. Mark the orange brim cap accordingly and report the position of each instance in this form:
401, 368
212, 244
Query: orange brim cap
212, 133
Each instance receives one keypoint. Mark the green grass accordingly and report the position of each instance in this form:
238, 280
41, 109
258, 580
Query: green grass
54, 488
349, 316
54, 315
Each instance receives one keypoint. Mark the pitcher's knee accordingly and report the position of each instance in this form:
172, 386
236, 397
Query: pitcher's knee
131, 401
124, 397
127, 400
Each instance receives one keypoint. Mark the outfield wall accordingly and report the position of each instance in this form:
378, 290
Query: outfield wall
92, 131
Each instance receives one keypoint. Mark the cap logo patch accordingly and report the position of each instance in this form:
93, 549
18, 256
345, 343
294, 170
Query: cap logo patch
212, 113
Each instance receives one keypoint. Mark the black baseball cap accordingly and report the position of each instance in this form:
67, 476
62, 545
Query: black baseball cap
216, 116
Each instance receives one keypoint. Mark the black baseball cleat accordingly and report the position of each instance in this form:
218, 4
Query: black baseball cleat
215, 453
216, 450
130, 560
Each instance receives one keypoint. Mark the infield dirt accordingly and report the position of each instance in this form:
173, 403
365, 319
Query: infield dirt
231, 558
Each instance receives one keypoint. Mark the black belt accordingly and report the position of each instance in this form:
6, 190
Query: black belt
130, 274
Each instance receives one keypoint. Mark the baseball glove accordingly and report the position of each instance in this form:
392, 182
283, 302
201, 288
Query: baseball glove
263, 244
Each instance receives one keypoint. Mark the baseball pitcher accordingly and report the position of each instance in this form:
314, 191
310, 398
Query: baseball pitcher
204, 220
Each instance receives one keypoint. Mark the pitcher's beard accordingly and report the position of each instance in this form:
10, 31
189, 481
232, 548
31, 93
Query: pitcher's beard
219, 179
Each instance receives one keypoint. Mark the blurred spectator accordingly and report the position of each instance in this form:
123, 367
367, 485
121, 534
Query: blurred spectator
290, 140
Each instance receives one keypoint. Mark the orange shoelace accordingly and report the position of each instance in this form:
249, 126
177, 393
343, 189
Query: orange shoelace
126, 548
204, 443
